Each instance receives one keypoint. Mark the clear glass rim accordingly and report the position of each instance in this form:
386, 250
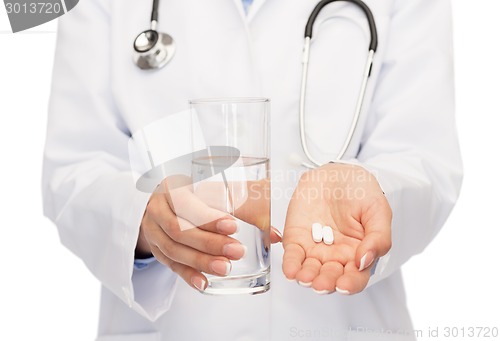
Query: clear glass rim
229, 100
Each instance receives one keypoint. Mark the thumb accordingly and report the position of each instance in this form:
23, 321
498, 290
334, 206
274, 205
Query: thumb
377, 240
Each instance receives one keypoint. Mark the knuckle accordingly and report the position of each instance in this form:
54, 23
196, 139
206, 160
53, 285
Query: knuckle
146, 226
209, 243
389, 245
147, 229
175, 267
153, 206
214, 244
167, 247
203, 264
173, 229
160, 257
386, 244
170, 225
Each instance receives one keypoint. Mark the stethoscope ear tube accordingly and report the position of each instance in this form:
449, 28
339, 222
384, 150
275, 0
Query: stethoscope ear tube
360, 4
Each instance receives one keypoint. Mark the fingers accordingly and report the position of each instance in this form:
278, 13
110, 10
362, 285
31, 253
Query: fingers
191, 276
184, 203
216, 265
204, 241
182, 230
195, 238
210, 243
309, 271
326, 281
292, 260
352, 281
373, 246
190, 237
377, 240
332, 277
184, 259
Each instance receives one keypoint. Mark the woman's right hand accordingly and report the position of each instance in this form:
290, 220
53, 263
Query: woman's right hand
186, 235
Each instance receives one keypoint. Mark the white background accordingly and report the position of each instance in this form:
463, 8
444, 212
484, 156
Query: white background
46, 292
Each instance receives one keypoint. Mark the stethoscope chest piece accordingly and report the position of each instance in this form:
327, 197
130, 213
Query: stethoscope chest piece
153, 49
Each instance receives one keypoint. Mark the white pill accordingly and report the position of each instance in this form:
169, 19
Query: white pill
328, 235
317, 232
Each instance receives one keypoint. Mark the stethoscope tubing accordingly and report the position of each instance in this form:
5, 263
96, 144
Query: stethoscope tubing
362, 92
154, 14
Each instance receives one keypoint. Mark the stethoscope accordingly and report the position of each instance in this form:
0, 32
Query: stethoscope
305, 66
153, 50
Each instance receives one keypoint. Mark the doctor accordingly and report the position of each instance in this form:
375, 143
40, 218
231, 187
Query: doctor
405, 144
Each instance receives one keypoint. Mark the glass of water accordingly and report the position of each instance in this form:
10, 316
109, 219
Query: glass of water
230, 172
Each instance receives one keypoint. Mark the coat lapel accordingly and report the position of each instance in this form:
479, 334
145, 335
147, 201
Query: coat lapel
254, 8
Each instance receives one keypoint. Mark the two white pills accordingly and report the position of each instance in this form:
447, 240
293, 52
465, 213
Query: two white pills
322, 233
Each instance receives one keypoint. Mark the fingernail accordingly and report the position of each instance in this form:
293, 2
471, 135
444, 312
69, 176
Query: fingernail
366, 260
221, 267
342, 291
305, 284
291, 280
321, 292
227, 226
234, 250
277, 232
199, 283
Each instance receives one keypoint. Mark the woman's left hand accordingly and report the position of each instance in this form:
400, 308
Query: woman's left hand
349, 200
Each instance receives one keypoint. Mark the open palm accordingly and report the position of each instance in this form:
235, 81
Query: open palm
348, 199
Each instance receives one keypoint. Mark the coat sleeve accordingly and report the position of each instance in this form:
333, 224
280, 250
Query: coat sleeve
410, 142
88, 187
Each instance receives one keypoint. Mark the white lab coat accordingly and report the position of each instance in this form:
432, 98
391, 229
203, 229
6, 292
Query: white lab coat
406, 136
